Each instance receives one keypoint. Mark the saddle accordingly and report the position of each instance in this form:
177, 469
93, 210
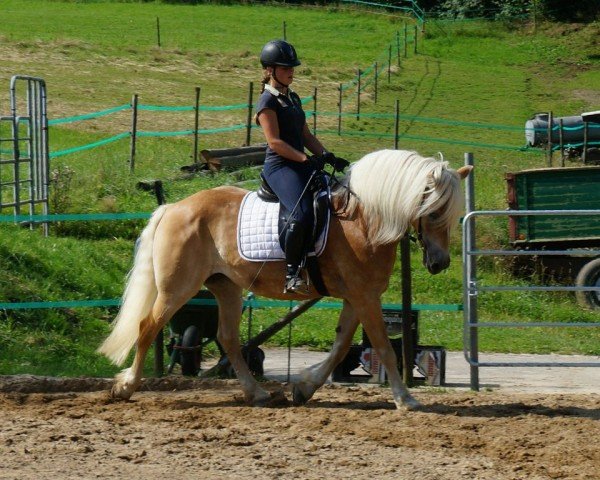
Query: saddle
321, 206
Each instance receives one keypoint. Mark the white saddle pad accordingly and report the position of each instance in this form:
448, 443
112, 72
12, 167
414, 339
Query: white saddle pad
257, 231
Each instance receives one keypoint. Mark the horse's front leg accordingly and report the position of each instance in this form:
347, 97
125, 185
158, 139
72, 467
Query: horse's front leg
315, 376
372, 321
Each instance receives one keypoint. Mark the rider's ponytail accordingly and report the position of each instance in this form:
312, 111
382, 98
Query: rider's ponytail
266, 79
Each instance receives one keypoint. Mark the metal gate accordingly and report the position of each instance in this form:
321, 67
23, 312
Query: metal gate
473, 289
24, 157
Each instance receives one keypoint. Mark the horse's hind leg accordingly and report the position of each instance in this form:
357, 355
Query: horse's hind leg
313, 377
129, 379
229, 298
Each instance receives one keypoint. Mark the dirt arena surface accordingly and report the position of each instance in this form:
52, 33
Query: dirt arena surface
200, 429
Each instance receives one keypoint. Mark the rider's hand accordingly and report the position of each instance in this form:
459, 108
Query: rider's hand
337, 163
317, 162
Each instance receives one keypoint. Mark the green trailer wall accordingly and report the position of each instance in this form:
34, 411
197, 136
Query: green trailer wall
575, 188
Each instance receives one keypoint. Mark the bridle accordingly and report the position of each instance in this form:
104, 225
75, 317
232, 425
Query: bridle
334, 180
419, 235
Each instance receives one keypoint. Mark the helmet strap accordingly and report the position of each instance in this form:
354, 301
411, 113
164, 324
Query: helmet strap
274, 76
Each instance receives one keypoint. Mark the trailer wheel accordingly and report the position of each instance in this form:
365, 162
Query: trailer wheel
190, 359
589, 276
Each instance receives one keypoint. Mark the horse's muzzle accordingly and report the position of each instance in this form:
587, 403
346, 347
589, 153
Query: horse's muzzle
435, 262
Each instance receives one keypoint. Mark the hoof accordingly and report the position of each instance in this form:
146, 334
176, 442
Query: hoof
299, 397
266, 399
409, 404
276, 399
118, 392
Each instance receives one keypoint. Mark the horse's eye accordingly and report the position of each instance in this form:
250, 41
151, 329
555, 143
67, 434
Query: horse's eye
433, 216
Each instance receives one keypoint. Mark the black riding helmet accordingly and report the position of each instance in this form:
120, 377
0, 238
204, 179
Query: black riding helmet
279, 53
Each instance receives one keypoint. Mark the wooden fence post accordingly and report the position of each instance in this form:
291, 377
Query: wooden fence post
416, 30
389, 64
196, 123
549, 131
340, 110
561, 142
249, 116
158, 31
315, 112
397, 125
376, 80
398, 47
584, 155
358, 96
405, 40
134, 111
408, 354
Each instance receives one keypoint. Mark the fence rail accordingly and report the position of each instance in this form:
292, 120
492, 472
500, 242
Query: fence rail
472, 287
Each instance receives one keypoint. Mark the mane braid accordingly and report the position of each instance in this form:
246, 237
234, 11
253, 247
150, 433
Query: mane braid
395, 187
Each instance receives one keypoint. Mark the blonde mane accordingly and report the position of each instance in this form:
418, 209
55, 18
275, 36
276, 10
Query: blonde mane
396, 187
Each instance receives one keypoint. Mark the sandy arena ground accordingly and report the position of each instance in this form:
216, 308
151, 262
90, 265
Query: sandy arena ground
200, 429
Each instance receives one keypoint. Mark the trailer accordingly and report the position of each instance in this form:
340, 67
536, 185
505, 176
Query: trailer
575, 188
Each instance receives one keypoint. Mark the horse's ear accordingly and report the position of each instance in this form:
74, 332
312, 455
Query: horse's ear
463, 172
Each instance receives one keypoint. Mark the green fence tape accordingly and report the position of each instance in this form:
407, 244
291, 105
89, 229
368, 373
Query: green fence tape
160, 108
571, 145
428, 139
386, 5
89, 145
59, 304
89, 116
431, 120
254, 303
569, 129
61, 217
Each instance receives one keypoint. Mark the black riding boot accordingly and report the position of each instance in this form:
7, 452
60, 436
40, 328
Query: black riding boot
295, 251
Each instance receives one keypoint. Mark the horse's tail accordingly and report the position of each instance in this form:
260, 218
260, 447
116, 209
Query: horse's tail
138, 298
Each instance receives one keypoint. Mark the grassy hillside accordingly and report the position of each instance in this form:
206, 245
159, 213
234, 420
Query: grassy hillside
95, 56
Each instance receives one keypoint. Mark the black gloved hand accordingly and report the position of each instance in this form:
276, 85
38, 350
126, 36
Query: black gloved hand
339, 164
328, 158
317, 162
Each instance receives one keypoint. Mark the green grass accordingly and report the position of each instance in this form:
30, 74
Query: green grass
96, 55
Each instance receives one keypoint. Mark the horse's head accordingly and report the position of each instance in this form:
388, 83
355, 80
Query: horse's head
441, 206
400, 188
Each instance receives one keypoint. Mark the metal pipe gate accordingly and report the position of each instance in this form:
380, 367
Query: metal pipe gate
24, 173
472, 288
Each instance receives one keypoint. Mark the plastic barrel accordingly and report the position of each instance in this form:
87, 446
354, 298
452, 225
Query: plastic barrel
536, 130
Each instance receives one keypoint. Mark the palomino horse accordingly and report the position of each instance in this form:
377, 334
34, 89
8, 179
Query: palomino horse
193, 243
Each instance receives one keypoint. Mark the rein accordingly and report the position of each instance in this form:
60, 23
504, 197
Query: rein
419, 238
333, 180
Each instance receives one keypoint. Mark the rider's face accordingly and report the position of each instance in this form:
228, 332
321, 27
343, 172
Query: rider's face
283, 75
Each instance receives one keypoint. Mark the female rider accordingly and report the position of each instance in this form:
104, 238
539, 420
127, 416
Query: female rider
287, 168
